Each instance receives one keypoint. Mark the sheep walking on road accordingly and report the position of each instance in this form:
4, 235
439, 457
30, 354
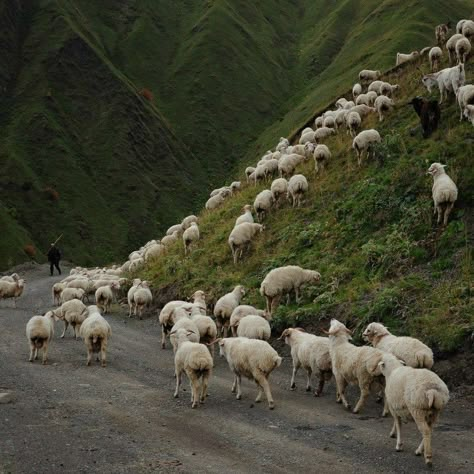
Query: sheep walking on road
39, 332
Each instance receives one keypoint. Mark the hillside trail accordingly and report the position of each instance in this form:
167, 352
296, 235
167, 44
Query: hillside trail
69, 418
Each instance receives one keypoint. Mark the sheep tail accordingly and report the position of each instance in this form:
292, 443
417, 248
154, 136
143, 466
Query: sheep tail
38, 342
278, 361
434, 401
423, 360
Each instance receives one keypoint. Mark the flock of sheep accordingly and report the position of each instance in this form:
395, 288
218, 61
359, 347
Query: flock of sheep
398, 366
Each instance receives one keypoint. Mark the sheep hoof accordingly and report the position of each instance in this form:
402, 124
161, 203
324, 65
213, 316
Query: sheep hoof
418, 452
104, 364
429, 463
194, 405
62, 337
293, 387
88, 363
317, 393
271, 406
176, 395
398, 449
44, 362
308, 388
238, 397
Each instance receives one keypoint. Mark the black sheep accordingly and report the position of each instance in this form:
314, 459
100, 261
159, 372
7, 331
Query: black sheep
429, 113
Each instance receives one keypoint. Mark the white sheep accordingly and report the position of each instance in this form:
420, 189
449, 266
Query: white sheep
307, 137
187, 221
242, 311
413, 393
279, 188
224, 307
193, 359
283, 144
364, 142
183, 321
329, 122
235, 186
362, 99
368, 75
464, 96
310, 352
11, 278
151, 253
405, 58
72, 312
167, 318
254, 327
104, 295
241, 237
469, 113
349, 105
449, 79
246, 216
253, 359
56, 291
141, 297
169, 240
371, 96
445, 192
69, 294
318, 122
383, 104
351, 364
451, 46
248, 171
459, 26
307, 130
341, 117
321, 156
374, 86
263, 203
354, 122
408, 349
340, 103
362, 109
135, 285
356, 90
95, 331
283, 281
12, 289
435, 56
288, 164
39, 332
190, 236
297, 187
462, 48
322, 133
216, 201
206, 326
175, 228
468, 29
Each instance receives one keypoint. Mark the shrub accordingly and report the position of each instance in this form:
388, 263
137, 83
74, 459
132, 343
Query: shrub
51, 194
147, 94
30, 250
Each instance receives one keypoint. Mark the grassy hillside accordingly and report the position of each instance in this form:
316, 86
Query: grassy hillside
369, 231
81, 152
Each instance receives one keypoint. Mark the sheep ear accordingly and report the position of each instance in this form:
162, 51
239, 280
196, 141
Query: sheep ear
443, 166
381, 364
326, 332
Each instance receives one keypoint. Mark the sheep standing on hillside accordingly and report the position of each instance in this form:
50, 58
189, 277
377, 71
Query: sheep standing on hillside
464, 97
445, 192
95, 331
404, 58
408, 349
263, 203
246, 216
279, 188
356, 90
187, 221
11, 289
383, 104
253, 359
435, 56
364, 142
451, 46
416, 393
322, 133
321, 156
462, 48
39, 332
351, 364
224, 307
241, 237
310, 352
248, 171
194, 359
469, 113
283, 281
368, 75
297, 187
190, 235
288, 164
354, 122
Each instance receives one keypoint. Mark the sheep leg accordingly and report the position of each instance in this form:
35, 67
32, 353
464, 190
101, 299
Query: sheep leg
237, 382
439, 210
194, 388
364, 393
103, 356
263, 382
219, 326
226, 328
259, 393
178, 383
447, 211
318, 392
308, 379
341, 385
204, 385
269, 304
425, 445
397, 429
89, 354
45, 352
275, 303
66, 324
32, 351
163, 336
36, 353
295, 370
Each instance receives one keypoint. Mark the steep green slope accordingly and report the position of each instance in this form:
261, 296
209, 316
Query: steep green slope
81, 152
369, 231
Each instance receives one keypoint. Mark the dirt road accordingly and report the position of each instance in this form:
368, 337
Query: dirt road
66, 417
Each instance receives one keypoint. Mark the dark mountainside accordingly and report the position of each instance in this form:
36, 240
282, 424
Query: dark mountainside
84, 152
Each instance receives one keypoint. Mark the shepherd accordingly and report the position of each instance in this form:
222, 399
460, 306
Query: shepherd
54, 256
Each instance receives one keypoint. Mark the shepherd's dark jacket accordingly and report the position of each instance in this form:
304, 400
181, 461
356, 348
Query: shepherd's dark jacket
54, 254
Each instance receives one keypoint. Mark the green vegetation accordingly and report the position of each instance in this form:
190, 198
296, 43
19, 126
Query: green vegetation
82, 152
370, 231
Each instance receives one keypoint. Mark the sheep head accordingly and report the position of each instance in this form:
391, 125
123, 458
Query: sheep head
336, 328
436, 169
374, 331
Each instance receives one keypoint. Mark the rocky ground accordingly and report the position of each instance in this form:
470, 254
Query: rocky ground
66, 417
